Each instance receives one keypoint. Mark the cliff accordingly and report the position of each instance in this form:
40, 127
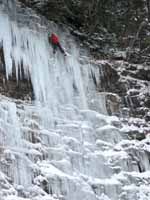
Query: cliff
74, 128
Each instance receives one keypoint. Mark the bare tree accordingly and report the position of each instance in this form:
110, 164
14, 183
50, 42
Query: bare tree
136, 37
148, 9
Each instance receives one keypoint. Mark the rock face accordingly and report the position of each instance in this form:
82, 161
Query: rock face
64, 145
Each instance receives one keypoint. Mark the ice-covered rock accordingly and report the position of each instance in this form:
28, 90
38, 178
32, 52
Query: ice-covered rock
63, 145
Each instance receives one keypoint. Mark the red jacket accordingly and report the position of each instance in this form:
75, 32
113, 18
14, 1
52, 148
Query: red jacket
54, 38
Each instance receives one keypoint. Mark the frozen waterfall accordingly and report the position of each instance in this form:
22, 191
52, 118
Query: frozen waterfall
59, 85
52, 78
62, 145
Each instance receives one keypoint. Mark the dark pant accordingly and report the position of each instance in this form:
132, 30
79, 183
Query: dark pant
57, 46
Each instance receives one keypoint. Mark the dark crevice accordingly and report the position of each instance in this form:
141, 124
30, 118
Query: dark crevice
18, 88
94, 79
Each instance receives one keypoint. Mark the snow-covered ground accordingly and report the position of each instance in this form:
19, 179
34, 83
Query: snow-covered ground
63, 145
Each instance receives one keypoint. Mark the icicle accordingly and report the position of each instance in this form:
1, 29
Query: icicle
55, 81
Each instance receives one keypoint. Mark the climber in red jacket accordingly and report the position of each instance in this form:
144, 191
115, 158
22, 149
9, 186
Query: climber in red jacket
54, 40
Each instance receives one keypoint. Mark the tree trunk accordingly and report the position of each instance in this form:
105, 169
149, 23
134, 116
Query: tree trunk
148, 8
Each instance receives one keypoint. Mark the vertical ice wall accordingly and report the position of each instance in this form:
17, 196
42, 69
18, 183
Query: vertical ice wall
53, 78
76, 157
57, 82
11, 141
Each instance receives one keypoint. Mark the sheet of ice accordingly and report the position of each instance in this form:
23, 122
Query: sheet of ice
53, 79
58, 148
56, 81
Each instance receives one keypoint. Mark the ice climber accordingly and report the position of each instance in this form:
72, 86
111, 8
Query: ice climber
54, 40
